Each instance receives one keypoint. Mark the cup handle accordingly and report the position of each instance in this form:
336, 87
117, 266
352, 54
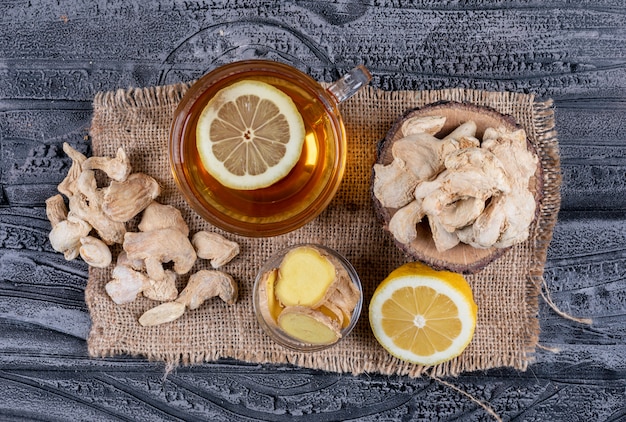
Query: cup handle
350, 83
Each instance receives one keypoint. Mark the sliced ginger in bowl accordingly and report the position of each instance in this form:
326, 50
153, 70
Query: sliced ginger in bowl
305, 277
307, 297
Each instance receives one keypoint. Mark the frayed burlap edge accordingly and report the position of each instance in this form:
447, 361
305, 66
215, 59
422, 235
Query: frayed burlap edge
156, 96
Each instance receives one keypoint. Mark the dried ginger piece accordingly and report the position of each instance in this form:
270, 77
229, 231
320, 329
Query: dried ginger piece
121, 201
472, 176
424, 155
464, 130
418, 157
162, 290
165, 312
443, 239
135, 264
393, 185
117, 168
214, 247
68, 186
403, 224
202, 285
507, 218
160, 246
159, 216
87, 205
206, 284
126, 284
422, 124
65, 236
95, 252
420, 153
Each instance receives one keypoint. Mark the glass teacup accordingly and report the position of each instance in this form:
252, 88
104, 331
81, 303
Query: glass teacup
309, 187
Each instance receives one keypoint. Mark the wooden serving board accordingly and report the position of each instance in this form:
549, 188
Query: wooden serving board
462, 258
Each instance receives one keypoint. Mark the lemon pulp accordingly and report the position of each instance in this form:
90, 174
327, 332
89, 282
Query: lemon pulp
250, 135
423, 316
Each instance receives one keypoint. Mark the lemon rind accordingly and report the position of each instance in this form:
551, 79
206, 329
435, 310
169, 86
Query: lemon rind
466, 312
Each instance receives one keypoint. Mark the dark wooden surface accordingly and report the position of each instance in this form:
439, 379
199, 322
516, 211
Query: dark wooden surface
55, 55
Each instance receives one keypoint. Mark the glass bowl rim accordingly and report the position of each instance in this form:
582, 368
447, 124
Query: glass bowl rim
278, 335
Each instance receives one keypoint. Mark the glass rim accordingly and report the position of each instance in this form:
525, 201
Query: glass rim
282, 338
218, 218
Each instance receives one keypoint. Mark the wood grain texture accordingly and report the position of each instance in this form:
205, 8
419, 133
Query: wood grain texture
55, 55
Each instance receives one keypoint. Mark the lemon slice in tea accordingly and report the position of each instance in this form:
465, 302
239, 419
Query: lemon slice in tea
423, 316
250, 135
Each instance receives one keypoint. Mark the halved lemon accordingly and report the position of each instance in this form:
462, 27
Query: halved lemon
250, 135
423, 316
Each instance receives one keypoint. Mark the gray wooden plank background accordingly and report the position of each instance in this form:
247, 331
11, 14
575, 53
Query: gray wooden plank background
55, 55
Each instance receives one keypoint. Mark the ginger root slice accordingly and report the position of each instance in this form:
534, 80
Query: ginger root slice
309, 325
214, 247
334, 312
165, 312
305, 277
124, 200
269, 307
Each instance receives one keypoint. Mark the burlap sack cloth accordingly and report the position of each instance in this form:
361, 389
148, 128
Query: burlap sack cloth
506, 291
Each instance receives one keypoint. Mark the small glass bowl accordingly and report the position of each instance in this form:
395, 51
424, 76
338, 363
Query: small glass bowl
273, 330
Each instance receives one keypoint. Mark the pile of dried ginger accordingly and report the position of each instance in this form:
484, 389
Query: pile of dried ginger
153, 258
473, 191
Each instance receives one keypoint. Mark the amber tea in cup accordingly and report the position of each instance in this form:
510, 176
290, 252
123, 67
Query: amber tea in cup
309, 186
